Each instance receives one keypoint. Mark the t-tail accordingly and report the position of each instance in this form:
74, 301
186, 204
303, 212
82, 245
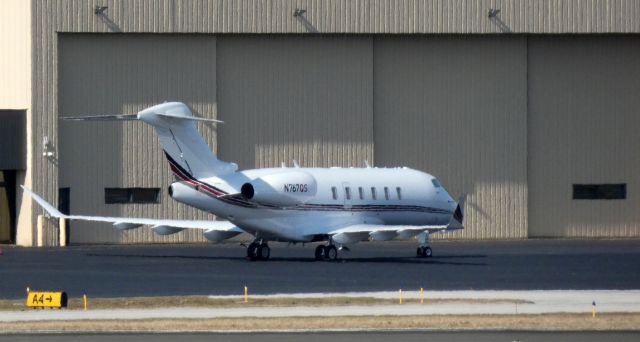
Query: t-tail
188, 154
184, 147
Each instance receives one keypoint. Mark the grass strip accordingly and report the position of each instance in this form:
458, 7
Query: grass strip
205, 301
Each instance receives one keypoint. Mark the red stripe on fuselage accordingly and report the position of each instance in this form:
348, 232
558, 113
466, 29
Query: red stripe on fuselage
176, 171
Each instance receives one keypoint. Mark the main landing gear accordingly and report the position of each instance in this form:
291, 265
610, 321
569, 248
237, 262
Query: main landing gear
326, 252
424, 251
258, 251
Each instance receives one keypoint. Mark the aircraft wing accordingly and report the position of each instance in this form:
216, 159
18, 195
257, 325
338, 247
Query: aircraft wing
214, 230
363, 232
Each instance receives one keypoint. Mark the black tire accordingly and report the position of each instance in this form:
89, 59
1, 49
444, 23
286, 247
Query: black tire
252, 251
320, 252
428, 253
264, 252
331, 253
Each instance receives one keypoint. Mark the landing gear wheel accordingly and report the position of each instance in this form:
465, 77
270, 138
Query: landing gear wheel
424, 252
428, 253
331, 253
320, 252
252, 251
264, 252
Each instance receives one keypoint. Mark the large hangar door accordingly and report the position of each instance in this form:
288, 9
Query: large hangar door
295, 97
583, 129
123, 73
455, 106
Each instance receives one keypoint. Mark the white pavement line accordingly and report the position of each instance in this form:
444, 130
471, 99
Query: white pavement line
541, 302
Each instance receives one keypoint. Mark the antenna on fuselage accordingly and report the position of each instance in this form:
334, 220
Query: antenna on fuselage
295, 163
366, 164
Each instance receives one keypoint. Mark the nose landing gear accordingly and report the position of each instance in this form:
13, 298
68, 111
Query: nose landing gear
424, 251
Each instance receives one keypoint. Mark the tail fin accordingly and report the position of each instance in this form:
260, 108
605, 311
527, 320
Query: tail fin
186, 151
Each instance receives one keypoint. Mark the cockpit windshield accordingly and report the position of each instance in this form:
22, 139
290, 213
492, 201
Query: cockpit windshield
436, 183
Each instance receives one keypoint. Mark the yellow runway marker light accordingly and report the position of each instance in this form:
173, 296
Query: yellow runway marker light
84, 300
246, 294
400, 294
593, 309
421, 295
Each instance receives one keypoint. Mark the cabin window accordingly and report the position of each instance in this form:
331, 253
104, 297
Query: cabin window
373, 193
334, 192
599, 191
361, 192
386, 193
347, 193
399, 192
131, 195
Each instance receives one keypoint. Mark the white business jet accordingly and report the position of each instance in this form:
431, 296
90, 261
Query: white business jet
339, 206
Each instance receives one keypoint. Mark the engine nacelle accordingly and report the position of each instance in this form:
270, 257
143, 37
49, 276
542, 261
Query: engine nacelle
185, 193
281, 189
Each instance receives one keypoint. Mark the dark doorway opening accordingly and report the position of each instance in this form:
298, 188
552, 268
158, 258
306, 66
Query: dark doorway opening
64, 205
8, 206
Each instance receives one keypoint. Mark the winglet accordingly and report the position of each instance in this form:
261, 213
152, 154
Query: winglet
48, 207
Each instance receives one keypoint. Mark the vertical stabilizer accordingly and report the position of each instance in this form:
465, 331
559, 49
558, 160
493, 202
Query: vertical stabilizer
174, 124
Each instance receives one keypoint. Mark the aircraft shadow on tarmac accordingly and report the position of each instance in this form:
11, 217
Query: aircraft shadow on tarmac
439, 260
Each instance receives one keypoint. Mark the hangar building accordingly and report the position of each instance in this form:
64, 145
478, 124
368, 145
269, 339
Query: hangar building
531, 107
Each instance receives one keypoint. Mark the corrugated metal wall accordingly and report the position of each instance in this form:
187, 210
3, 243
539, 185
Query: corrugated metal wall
348, 16
583, 128
295, 97
124, 74
51, 18
455, 106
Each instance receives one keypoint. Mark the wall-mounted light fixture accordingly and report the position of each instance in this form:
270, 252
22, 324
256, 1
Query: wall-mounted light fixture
493, 12
98, 10
298, 12
47, 150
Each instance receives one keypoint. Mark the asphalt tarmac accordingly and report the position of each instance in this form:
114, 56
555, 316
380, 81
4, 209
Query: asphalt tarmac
157, 270
432, 336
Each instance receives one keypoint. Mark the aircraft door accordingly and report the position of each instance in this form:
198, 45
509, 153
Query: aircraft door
347, 193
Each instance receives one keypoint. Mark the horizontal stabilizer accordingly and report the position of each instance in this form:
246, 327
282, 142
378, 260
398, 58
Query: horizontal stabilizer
113, 117
133, 117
